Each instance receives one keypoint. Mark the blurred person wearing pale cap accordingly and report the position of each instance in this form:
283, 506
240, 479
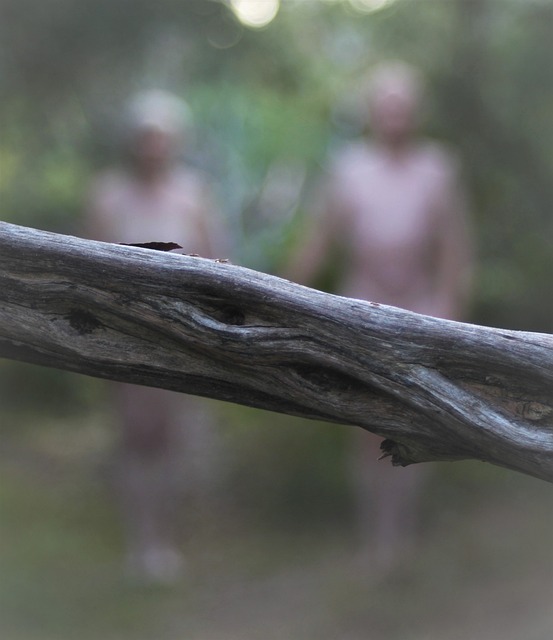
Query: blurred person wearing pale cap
393, 204
167, 439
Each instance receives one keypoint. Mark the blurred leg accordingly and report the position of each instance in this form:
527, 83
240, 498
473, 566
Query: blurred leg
147, 483
387, 502
145, 492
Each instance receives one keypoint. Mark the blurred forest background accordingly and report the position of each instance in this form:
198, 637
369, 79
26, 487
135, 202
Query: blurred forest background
272, 87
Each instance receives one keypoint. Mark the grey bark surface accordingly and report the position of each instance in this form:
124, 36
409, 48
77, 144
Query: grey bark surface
433, 389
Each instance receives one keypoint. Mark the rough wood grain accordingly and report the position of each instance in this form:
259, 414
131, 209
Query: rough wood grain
434, 389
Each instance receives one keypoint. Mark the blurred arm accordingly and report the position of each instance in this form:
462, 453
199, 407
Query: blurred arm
95, 225
317, 239
212, 232
455, 254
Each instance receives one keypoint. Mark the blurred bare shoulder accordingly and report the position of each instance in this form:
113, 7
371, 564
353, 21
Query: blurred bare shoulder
106, 186
195, 181
108, 179
350, 156
439, 156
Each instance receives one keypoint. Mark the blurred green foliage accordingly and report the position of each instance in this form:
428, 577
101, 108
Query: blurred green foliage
269, 105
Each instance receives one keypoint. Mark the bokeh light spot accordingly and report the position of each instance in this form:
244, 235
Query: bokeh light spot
255, 13
368, 6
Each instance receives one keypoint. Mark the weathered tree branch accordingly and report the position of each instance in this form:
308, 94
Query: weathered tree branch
434, 389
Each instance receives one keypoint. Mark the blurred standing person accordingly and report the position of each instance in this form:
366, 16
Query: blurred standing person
393, 204
152, 198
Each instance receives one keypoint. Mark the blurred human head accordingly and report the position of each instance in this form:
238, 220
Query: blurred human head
394, 96
155, 123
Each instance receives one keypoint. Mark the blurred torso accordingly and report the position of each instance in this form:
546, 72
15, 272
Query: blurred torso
391, 208
168, 210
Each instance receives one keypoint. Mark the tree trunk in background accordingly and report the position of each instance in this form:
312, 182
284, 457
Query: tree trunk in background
434, 389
